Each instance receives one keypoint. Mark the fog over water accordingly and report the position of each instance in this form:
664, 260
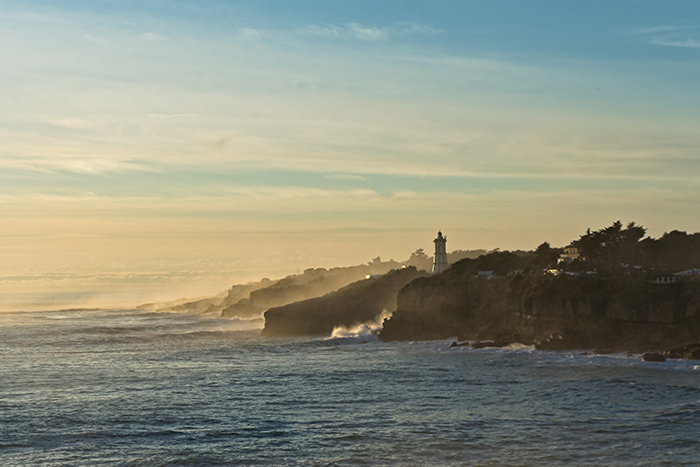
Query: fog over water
128, 387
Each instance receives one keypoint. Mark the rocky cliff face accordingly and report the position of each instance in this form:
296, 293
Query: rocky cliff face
252, 299
312, 283
552, 312
360, 302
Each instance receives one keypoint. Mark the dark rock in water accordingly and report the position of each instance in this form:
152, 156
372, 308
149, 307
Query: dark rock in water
695, 354
689, 351
458, 344
454, 344
653, 357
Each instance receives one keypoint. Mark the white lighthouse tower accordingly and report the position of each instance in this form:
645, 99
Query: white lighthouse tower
440, 263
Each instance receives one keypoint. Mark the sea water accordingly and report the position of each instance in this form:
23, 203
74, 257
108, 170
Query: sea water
130, 387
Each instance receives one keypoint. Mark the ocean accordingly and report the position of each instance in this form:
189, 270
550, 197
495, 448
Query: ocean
132, 387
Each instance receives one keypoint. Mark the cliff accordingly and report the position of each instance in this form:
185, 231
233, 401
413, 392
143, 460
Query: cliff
312, 283
215, 304
563, 312
251, 300
360, 302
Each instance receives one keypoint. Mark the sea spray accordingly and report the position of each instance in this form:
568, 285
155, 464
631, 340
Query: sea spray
368, 328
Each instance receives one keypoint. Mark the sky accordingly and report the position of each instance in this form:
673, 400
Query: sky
157, 149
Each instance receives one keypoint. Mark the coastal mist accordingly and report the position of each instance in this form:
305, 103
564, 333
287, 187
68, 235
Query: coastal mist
133, 387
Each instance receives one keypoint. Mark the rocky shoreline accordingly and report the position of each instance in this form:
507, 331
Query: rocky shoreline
551, 313
608, 315
688, 351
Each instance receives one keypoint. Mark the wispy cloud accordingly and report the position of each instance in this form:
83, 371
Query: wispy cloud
172, 115
657, 29
251, 33
96, 40
404, 29
74, 123
367, 33
685, 43
669, 36
345, 177
154, 37
329, 31
47, 164
313, 196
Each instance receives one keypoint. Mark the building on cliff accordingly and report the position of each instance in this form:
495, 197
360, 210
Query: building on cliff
440, 262
570, 254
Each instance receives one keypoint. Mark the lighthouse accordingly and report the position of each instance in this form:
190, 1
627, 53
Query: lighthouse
440, 263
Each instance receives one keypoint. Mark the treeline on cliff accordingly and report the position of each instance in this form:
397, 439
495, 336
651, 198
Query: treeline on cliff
611, 250
615, 246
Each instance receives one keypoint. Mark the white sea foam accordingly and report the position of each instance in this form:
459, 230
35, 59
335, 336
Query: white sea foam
367, 331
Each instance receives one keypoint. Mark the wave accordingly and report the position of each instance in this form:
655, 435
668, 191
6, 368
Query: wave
362, 332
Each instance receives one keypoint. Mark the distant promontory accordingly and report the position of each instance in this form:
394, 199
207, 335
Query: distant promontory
611, 290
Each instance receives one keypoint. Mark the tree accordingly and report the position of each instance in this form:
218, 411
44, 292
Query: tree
545, 255
612, 245
420, 260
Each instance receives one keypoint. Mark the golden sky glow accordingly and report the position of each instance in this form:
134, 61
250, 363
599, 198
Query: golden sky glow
148, 151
